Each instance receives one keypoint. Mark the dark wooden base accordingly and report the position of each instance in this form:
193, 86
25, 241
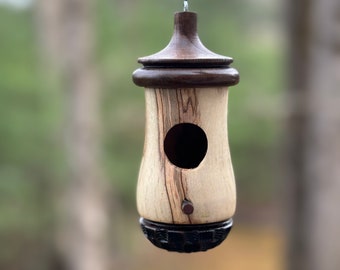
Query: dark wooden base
186, 238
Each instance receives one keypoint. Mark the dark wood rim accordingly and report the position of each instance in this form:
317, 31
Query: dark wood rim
185, 77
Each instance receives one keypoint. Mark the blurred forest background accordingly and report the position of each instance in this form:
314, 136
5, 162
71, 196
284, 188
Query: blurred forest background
38, 140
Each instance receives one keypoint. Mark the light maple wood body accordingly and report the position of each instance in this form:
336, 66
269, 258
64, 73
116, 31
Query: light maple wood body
162, 186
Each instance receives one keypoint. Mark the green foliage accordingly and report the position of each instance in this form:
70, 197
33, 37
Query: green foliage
31, 164
28, 156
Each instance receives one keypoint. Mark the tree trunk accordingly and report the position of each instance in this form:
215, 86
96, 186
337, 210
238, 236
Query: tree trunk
67, 34
314, 133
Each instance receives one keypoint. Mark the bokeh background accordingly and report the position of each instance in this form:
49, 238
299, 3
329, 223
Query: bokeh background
66, 206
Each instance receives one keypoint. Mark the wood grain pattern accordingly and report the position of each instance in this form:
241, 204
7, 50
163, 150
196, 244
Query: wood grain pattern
162, 186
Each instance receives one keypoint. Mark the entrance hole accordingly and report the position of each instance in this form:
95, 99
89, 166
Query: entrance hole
186, 145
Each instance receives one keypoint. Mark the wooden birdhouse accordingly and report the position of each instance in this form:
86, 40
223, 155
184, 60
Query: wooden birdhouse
186, 193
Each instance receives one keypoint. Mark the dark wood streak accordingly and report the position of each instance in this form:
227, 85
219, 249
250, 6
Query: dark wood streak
185, 192
173, 177
188, 106
161, 134
159, 123
188, 112
175, 107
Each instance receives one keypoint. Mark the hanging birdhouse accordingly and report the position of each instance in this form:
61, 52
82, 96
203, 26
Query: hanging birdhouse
186, 193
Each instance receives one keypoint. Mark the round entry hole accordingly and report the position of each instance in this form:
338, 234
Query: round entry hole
186, 145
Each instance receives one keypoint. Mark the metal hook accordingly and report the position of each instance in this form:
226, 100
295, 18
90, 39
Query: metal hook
186, 5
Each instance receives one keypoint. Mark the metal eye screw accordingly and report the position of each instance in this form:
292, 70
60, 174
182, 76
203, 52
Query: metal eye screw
186, 5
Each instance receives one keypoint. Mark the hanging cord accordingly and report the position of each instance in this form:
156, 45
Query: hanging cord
186, 5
